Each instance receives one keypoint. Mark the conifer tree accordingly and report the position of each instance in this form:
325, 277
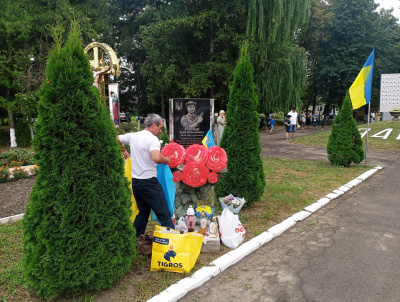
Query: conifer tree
241, 140
345, 144
77, 232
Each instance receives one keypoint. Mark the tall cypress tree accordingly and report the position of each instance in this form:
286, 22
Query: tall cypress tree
241, 140
345, 144
77, 233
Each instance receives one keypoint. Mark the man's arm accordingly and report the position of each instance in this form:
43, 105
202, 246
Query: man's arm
158, 157
125, 153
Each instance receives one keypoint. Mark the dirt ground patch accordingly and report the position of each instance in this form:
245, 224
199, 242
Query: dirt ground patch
14, 196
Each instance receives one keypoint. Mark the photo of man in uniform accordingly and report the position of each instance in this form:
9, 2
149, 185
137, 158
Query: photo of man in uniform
191, 121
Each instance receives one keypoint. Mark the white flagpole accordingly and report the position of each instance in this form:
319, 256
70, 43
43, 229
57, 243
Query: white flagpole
366, 144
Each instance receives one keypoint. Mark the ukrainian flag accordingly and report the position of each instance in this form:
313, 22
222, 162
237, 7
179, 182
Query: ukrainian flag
360, 91
208, 140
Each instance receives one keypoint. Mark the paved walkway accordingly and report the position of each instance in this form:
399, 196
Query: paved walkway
346, 251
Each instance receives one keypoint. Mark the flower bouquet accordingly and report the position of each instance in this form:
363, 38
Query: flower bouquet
195, 170
234, 204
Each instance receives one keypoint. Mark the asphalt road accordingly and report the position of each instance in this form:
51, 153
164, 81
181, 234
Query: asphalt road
346, 251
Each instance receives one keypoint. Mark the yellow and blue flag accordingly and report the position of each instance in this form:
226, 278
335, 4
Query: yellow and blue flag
208, 140
360, 91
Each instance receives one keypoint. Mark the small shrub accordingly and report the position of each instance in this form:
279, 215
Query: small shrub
345, 145
4, 174
16, 158
20, 173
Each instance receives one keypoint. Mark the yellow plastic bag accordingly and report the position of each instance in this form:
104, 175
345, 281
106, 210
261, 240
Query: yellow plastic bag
128, 175
175, 251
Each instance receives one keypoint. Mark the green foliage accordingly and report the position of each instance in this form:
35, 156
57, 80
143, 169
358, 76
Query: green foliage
345, 145
164, 137
241, 141
4, 174
351, 37
22, 132
274, 29
19, 173
16, 158
77, 232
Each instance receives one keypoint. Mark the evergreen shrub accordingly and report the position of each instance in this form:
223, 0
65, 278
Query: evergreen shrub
77, 230
241, 140
345, 144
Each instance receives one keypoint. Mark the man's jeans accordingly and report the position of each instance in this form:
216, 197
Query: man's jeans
150, 195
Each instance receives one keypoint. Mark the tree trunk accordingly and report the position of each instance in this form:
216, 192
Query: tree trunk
13, 138
163, 107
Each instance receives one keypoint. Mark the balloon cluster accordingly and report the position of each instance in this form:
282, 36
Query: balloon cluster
202, 164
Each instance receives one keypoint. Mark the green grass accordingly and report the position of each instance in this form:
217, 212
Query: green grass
320, 139
291, 185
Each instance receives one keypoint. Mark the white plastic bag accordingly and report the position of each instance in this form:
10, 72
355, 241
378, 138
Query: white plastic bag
181, 226
231, 229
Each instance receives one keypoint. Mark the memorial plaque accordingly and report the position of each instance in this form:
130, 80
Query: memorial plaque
190, 120
390, 92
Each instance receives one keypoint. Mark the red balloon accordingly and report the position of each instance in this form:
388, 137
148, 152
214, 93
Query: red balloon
213, 178
176, 154
177, 176
195, 174
196, 153
216, 159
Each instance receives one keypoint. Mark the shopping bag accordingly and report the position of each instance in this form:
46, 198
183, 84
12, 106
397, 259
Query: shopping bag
175, 251
164, 176
231, 229
128, 175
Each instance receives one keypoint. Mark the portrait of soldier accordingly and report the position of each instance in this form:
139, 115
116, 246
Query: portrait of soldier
191, 121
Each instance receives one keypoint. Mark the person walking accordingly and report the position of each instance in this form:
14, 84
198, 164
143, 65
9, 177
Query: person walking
145, 155
221, 126
287, 126
293, 121
271, 123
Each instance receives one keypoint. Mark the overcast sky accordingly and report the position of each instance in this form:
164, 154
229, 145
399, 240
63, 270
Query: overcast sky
389, 4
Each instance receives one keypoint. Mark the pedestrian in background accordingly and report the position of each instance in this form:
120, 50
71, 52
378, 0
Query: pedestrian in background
287, 126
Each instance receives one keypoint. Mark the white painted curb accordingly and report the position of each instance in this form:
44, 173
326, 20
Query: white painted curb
11, 219
299, 216
313, 207
281, 227
324, 201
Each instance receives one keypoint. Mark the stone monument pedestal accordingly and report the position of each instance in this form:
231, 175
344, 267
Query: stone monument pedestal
213, 244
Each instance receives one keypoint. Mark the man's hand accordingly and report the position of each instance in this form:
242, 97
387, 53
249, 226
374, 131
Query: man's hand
125, 153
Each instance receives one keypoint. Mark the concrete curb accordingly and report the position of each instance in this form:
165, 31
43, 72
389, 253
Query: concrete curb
181, 288
11, 219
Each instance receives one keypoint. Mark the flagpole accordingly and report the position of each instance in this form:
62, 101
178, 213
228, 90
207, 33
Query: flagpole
366, 144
